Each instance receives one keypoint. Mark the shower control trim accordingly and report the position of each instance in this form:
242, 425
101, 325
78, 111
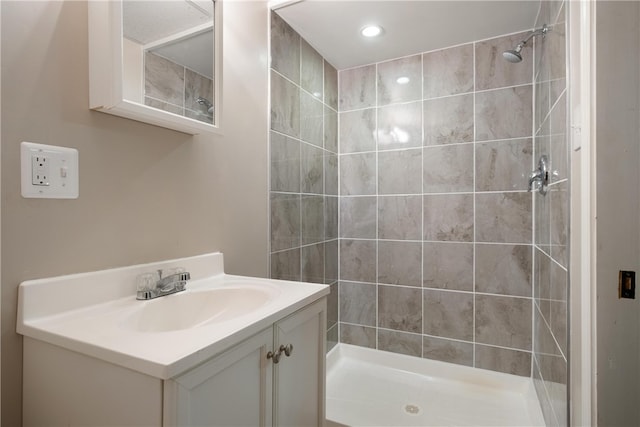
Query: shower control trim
539, 178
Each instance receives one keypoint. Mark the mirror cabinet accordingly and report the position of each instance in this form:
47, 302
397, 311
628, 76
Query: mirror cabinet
157, 62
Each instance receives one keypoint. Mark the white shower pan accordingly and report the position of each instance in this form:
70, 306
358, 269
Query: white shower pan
367, 387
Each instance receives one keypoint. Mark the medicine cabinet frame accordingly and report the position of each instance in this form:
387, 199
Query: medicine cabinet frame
106, 72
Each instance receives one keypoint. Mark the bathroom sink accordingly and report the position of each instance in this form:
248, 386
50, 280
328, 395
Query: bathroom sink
192, 309
99, 314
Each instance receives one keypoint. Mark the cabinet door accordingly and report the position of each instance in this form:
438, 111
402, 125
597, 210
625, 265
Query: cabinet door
233, 389
299, 379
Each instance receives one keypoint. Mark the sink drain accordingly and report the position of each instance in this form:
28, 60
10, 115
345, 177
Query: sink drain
412, 409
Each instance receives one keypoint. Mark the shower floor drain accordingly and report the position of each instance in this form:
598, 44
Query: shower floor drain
412, 409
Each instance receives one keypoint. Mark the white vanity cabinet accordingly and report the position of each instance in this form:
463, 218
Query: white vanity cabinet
299, 380
100, 357
244, 387
233, 389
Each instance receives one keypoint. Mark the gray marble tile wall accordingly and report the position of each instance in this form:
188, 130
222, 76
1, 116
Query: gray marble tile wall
435, 221
550, 368
304, 166
414, 196
174, 88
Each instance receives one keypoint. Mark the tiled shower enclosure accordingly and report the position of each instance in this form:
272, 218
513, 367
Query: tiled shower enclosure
435, 220
419, 206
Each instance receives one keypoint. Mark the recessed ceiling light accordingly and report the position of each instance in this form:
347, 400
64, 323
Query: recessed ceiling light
403, 80
371, 31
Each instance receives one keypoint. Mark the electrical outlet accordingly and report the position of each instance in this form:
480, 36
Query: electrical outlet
48, 172
39, 169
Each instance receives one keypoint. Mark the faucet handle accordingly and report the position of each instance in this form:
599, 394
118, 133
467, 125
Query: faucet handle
146, 281
539, 178
146, 284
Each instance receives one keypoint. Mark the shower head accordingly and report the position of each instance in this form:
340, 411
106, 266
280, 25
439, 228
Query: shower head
514, 56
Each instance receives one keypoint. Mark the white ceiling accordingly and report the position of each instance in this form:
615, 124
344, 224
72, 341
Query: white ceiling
333, 26
194, 52
172, 22
146, 21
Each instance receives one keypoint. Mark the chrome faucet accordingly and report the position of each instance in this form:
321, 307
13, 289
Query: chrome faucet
153, 285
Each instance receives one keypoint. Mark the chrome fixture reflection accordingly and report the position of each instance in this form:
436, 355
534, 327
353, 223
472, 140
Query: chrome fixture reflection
539, 178
208, 105
154, 285
514, 55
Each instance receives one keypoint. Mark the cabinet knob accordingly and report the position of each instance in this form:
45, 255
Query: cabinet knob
286, 349
274, 356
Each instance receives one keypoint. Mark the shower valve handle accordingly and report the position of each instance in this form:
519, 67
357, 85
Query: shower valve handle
539, 178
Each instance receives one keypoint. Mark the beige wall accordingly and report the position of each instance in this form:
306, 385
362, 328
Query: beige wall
618, 203
0, 207
146, 193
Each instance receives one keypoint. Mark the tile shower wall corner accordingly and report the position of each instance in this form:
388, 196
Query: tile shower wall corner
304, 166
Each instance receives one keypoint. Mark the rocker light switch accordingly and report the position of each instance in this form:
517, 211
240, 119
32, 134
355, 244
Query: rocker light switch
48, 172
627, 284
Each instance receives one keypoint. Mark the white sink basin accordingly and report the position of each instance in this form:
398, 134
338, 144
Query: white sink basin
187, 309
97, 314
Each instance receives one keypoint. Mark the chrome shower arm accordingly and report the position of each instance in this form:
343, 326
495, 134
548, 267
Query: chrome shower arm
540, 31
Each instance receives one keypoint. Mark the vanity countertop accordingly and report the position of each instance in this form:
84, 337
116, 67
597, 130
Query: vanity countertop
97, 314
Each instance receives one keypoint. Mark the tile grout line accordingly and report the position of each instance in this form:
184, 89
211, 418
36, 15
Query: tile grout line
377, 209
338, 148
435, 98
473, 269
461, 193
422, 255
325, 199
441, 338
300, 136
450, 144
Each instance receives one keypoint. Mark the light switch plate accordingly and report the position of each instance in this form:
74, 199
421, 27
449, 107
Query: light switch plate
60, 168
